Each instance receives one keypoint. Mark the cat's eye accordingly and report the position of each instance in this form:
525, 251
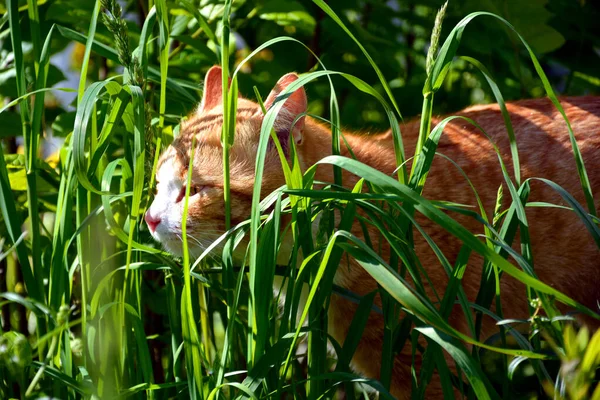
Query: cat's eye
194, 190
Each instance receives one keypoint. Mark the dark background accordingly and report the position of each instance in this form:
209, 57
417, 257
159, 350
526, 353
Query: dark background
565, 35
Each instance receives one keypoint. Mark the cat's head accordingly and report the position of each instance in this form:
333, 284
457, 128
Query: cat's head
206, 208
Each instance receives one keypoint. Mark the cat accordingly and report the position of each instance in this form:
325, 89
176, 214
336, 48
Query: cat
565, 255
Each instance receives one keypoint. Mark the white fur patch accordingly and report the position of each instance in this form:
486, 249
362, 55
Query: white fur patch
165, 207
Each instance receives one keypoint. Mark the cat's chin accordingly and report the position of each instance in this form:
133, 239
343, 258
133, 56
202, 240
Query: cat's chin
169, 242
175, 247
172, 244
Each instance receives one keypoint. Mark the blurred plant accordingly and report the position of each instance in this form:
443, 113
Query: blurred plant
580, 365
15, 358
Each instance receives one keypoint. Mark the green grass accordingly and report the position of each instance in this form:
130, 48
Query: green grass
119, 318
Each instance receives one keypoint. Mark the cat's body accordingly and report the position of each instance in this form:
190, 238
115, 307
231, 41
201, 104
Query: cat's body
565, 255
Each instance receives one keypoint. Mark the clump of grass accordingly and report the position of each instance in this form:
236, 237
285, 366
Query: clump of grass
120, 318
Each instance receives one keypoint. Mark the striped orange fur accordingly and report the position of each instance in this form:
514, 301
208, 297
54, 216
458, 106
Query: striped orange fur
565, 255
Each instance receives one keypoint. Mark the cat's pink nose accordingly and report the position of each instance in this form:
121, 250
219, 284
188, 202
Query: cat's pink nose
151, 221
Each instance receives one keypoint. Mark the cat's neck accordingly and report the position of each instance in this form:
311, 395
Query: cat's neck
376, 150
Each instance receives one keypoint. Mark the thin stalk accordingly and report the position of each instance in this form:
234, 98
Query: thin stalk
335, 134
62, 322
225, 142
40, 371
226, 182
86, 234
229, 98
424, 127
204, 322
34, 26
81, 194
190, 331
37, 291
317, 344
164, 44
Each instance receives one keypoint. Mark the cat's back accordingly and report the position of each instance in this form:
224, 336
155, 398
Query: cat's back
534, 118
565, 254
542, 139
535, 122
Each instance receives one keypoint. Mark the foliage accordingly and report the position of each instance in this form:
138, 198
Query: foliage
90, 307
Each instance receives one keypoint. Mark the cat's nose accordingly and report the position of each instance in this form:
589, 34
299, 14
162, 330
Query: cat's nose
151, 221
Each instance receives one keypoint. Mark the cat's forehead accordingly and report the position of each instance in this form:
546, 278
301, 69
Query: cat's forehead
206, 128
202, 122
170, 165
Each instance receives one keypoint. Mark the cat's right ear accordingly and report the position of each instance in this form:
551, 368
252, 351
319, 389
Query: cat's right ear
294, 105
213, 89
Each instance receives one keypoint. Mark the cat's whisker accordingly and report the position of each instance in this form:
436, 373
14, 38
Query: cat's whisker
203, 245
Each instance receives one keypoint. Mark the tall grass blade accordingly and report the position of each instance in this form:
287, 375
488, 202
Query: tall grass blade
191, 341
441, 68
33, 278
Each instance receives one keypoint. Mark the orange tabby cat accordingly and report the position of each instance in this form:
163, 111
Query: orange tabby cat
565, 255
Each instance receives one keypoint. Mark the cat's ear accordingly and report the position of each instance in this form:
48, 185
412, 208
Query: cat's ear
213, 89
294, 105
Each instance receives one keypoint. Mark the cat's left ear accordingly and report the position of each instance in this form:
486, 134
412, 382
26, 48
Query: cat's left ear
213, 89
294, 105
